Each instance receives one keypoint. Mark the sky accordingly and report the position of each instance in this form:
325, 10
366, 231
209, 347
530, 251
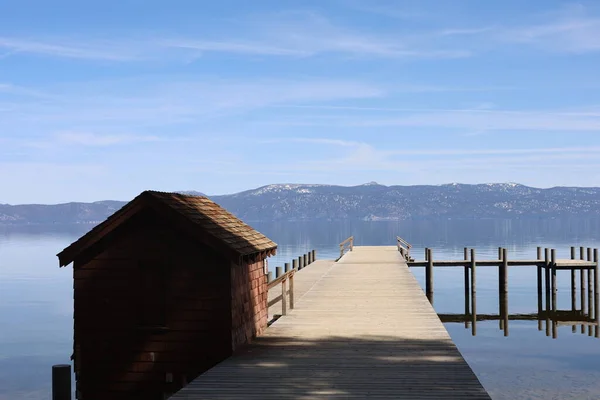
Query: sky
104, 99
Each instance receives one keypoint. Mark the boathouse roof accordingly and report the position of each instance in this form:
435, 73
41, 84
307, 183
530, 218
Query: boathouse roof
197, 214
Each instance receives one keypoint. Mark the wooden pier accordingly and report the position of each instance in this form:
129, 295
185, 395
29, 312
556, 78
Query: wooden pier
363, 328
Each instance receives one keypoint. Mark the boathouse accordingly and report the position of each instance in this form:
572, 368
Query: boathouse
164, 289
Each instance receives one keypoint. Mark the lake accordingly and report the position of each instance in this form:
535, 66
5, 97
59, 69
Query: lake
36, 299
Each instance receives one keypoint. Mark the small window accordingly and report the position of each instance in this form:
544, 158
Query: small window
152, 310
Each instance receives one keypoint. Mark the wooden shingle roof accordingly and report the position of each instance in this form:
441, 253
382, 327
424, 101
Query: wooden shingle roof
199, 212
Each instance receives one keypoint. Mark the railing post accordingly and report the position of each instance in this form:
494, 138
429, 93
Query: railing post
292, 291
547, 287
304, 259
539, 288
283, 297
270, 276
426, 253
505, 289
583, 286
341, 250
300, 265
573, 288
596, 296
590, 290
554, 289
351, 243
473, 294
278, 272
314, 255
467, 289
286, 267
61, 382
294, 264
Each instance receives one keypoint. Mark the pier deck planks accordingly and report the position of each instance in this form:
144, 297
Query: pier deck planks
364, 329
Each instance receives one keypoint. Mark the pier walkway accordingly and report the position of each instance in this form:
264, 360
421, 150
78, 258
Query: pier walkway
363, 329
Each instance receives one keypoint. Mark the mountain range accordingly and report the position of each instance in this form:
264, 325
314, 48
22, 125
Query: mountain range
371, 201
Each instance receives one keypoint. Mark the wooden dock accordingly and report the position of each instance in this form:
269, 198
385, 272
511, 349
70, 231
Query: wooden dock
362, 329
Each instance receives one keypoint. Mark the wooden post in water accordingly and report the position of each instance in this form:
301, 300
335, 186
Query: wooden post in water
590, 290
573, 289
504, 306
505, 288
429, 276
539, 288
583, 286
286, 267
61, 382
500, 290
467, 289
294, 264
547, 287
554, 322
278, 271
473, 295
596, 296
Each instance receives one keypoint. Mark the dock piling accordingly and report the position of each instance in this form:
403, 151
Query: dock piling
61, 382
505, 289
539, 289
547, 287
554, 322
429, 276
467, 289
596, 296
573, 289
583, 286
473, 294
590, 290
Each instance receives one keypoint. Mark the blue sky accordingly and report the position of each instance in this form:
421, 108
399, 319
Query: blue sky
101, 100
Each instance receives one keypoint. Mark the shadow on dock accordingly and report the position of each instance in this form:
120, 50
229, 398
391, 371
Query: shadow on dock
336, 367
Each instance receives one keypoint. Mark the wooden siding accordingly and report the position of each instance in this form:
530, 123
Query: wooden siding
115, 355
248, 302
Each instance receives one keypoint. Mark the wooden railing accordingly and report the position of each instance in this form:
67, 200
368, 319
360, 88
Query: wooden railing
347, 244
404, 248
283, 280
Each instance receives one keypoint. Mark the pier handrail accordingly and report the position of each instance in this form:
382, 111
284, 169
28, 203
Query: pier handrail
347, 244
283, 280
403, 247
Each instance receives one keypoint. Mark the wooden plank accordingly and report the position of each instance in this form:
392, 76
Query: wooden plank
364, 329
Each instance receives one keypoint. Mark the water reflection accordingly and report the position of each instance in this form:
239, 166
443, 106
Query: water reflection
549, 317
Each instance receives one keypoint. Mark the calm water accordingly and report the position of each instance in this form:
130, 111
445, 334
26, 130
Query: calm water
36, 299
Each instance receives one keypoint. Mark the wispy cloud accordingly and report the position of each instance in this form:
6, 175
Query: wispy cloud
586, 120
572, 30
69, 48
93, 139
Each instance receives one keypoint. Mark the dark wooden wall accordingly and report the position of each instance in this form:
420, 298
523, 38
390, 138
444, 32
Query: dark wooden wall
117, 355
248, 302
